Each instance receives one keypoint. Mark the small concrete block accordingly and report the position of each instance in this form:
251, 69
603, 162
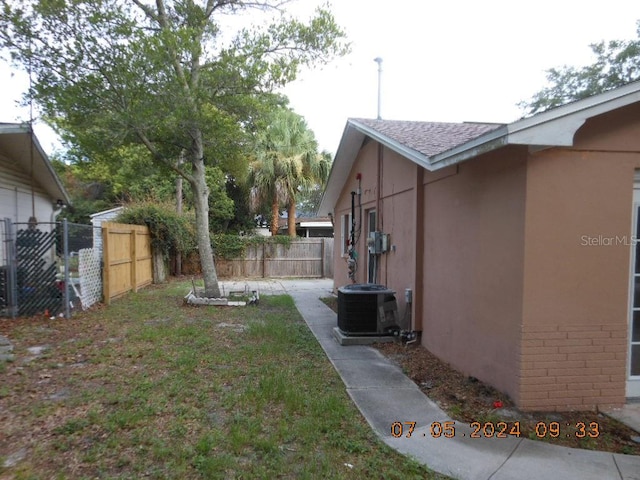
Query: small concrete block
192, 299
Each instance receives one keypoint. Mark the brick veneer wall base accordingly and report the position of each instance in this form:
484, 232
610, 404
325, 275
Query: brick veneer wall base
572, 367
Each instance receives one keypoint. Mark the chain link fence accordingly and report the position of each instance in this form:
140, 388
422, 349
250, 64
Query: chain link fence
48, 268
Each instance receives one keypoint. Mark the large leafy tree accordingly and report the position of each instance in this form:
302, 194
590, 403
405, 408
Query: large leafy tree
159, 73
617, 63
87, 195
132, 177
287, 160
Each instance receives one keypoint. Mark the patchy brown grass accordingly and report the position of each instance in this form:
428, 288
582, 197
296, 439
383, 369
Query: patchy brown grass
151, 388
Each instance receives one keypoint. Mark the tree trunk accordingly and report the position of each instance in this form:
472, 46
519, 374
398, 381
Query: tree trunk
275, 216
201, 204
159, 266
291, 220
179, 212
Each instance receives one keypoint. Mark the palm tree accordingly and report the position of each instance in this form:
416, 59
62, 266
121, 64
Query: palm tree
287, 160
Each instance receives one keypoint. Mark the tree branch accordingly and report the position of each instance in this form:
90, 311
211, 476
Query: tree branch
147, 11
154, 152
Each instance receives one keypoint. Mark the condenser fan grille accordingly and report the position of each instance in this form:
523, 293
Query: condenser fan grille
366, 309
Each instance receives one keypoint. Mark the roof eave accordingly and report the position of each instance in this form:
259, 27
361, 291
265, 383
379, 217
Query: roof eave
350, 144
54, 176
394, 145
54, 188
554, 128
557, 127
488, 142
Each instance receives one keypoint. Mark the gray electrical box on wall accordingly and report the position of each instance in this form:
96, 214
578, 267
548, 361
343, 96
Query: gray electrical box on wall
378, 243
374, 242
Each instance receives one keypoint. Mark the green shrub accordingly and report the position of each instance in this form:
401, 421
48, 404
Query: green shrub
229, 246
171, 232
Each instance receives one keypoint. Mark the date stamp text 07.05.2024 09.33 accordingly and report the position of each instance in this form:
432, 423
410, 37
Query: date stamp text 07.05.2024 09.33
498, 429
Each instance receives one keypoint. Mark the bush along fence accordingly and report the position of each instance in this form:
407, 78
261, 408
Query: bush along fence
47, 268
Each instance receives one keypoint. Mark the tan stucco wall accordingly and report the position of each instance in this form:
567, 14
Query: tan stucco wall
398, 220
395, 217
576, 275
473, 257
525, 283
366, 165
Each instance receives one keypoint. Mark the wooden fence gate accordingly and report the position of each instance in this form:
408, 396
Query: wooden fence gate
128, 262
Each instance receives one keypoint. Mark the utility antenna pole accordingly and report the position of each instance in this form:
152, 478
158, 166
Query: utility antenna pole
378, 60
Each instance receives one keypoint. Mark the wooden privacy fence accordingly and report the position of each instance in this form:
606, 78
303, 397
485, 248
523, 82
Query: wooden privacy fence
128, 262
308, 257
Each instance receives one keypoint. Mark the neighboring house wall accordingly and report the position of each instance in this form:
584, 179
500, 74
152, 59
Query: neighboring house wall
16, 200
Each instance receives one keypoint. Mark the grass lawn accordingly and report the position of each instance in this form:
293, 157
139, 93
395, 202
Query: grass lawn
150, 388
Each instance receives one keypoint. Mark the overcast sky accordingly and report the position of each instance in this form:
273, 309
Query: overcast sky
452, 61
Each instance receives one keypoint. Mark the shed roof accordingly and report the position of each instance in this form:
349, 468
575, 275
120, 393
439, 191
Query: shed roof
109, 212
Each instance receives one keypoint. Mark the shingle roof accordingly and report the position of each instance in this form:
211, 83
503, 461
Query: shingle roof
429, 138
434, 146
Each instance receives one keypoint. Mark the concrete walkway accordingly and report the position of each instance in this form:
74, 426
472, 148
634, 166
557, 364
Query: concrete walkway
385, 395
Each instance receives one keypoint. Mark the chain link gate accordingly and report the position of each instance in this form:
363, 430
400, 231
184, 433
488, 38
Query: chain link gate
38, 288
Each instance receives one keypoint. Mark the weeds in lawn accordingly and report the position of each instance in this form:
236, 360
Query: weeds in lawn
161, 390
